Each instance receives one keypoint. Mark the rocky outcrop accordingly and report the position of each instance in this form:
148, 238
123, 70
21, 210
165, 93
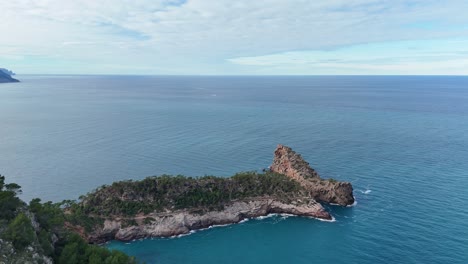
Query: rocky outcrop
288, 162
5, 76
182, 222
291, 164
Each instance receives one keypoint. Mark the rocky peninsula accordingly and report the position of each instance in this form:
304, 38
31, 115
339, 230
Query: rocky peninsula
167, 206
160, 206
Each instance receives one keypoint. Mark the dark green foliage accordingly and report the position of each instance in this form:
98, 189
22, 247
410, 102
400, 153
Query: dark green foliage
48, 215
77, 251
79, 217
13, 187
16, 227
9, 203
20, 232
332, 180
45, 241
179, 192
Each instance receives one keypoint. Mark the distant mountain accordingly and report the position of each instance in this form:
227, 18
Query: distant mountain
5, 76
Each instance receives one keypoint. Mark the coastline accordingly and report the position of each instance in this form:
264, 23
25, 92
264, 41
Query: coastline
167, 206
262, 217
183, 222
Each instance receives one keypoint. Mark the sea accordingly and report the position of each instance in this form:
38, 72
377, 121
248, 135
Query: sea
402, 141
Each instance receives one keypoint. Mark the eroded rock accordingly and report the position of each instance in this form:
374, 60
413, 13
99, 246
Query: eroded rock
288, 162
183, 221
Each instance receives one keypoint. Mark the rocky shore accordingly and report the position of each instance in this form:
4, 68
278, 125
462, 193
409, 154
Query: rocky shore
184, 221
303, 200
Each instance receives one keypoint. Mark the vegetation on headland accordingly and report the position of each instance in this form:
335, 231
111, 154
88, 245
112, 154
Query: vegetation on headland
48, 229
35, 233
161, 193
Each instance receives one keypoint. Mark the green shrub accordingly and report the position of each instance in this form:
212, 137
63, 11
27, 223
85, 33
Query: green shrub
20, 232
77, 251
9, 203
178, 192
70, 248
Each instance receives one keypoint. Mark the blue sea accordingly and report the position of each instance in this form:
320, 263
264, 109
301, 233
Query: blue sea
401, 140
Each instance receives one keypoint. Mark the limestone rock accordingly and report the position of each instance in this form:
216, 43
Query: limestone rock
183, 221
288, 162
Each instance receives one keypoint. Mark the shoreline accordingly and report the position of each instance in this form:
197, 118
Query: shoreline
259, 218
180, 223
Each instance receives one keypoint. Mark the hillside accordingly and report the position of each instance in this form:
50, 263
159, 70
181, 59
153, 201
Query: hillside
35, 233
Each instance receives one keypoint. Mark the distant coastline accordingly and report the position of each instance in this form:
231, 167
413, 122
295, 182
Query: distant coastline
5, 76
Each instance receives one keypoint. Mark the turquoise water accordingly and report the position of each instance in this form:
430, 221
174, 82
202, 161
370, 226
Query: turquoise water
401, 141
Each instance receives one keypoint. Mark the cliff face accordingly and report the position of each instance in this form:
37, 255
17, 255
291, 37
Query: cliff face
183, 221
291, 164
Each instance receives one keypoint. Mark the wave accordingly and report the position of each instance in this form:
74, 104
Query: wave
178, 236
244, 220
326, 220
213, 226
353, 204
265, 216
283, 216
287, 215
367, 191
186, 234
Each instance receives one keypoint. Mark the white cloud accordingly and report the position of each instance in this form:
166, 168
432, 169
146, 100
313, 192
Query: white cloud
402, 57
200, 36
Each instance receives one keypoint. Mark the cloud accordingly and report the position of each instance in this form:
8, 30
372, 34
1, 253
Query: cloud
448, 56
203, 37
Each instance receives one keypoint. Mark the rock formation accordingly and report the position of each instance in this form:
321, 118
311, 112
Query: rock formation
291, 164
169, 206
184, 221
5, 76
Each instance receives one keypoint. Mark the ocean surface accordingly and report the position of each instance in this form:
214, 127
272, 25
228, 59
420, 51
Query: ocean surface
401, 141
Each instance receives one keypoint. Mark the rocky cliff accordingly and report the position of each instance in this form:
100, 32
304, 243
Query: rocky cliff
289, 163
184, 221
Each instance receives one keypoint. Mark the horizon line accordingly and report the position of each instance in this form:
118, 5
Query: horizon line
231, 75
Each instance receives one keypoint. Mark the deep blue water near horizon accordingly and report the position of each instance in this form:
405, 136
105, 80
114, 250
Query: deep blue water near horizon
401, 140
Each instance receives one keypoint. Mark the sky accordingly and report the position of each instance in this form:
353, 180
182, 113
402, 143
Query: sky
226, 37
